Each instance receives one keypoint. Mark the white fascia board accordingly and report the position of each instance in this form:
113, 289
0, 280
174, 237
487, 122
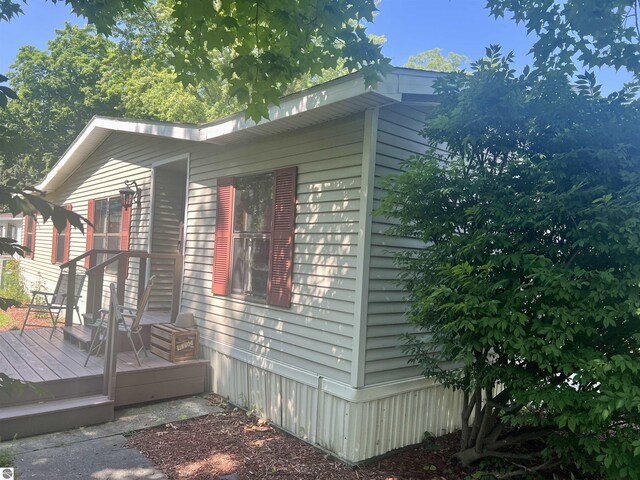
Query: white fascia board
396, 83
393, 86
99, 128
339, 90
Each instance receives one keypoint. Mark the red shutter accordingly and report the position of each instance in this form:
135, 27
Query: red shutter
222, 246
125, 232
29, 223
284, 212
91, 208
33, 237
25, 229
54, 244
67, 238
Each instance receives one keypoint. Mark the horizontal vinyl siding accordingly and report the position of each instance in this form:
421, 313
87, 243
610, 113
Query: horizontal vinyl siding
398, 139
315, 334
120, 157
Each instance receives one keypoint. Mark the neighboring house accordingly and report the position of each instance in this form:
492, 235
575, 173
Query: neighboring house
10, 227
289, 274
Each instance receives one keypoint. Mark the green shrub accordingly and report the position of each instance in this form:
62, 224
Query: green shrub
12, 282
528, 278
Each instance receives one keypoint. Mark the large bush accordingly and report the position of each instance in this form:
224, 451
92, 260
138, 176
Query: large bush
528, 204
12, 283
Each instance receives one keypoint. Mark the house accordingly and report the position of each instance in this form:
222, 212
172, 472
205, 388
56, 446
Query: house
10, 227
290, 276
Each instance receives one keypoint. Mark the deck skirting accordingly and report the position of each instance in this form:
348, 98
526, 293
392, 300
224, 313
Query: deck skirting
353, 424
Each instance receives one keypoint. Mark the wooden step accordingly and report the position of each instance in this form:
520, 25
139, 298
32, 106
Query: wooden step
57, 415
79, 335
52, 390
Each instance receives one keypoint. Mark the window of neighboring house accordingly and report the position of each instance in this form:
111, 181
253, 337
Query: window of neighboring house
2, 231
253, 247
11, 231
61, 242
107, 231
30, 236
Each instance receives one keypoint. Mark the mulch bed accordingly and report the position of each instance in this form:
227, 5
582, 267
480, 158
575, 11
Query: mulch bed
233, 442
16, 317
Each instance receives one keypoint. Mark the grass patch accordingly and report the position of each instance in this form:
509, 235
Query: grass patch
7, 459
4, 320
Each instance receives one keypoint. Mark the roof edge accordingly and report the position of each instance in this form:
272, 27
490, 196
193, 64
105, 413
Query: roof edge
398, 82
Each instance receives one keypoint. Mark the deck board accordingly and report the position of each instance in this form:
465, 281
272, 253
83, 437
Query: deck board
34, 358
37, 364
7, 368
49, 355
74, 356
19, 365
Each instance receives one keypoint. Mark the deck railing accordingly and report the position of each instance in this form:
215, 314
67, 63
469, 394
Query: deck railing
95, 278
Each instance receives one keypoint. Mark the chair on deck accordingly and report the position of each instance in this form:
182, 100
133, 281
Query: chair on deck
54, 302
128, 320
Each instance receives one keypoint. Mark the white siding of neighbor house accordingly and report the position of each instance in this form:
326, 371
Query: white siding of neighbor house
315, 334
120, 157
397, 139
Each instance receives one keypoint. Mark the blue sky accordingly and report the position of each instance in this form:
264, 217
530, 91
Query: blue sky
411, 26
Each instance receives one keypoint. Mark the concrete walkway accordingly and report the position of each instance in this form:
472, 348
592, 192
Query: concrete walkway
97, 452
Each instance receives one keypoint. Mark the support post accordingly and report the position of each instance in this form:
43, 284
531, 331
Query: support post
142, 279
71, 295
123, 263
111, 351
177, 287
96, 294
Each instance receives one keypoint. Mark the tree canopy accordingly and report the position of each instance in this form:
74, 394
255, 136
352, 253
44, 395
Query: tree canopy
269, 43
435, 61
594, 32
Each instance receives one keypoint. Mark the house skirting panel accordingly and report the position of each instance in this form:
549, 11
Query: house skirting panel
353, 424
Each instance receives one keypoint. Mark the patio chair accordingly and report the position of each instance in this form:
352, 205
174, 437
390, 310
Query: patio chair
128, 320
54, 302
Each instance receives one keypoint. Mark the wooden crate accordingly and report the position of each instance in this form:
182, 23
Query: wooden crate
174, 343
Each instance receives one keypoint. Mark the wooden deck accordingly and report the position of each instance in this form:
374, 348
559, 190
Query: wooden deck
55, 372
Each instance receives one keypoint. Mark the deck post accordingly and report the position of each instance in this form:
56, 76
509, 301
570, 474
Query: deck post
142, 278
110, 355
71, 295
96, 295
123, 263
177, 287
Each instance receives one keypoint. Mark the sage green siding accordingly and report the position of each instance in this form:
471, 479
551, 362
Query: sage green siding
398, 139
315, 334
120, 157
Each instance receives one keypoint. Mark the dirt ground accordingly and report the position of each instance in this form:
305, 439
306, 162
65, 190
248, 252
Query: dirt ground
235, 443
16, 317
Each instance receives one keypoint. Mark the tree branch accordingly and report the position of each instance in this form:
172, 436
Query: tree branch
523, 470
522, 437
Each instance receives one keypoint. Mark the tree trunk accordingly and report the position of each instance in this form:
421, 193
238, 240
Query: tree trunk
469, 456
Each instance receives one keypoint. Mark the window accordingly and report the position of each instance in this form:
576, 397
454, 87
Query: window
107, 229
253, 247
30, 235
60, 243
251, 235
